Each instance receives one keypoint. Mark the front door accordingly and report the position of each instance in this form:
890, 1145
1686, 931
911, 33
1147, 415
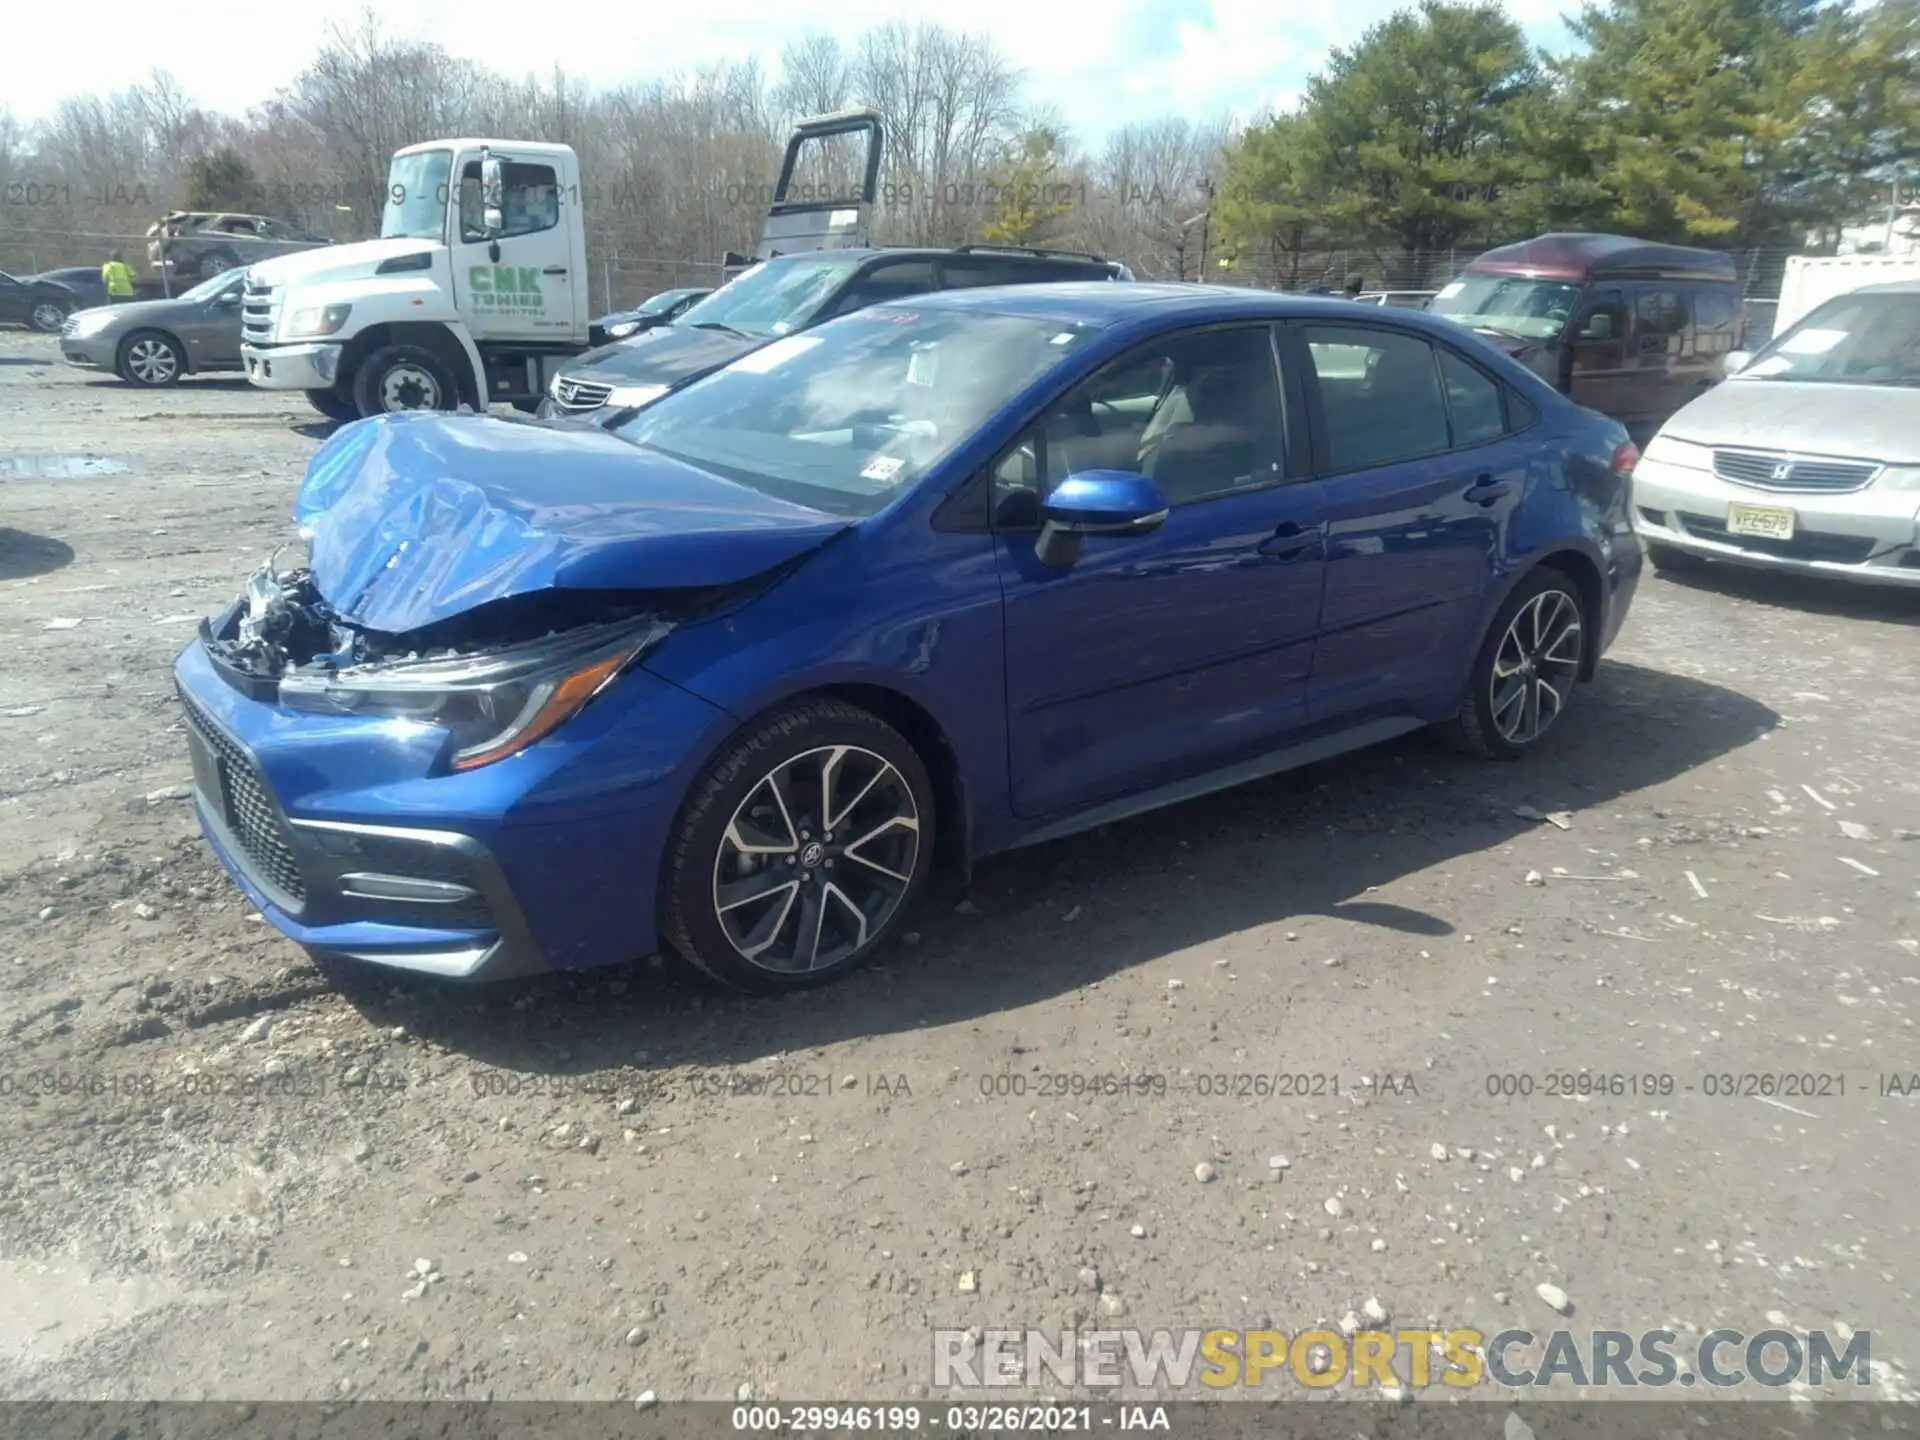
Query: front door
1159, 657
1413, 447
525, 291
1602, 362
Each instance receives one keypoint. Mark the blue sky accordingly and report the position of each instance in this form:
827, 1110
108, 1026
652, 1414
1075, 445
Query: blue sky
1100, 65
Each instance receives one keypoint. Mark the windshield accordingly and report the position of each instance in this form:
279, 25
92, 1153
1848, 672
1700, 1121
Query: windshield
1529, 309
207, 289
417, 196
1858, 339
846, 416
774, 299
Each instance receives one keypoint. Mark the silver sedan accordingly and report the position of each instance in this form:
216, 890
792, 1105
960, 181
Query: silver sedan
155, 342
1807, 457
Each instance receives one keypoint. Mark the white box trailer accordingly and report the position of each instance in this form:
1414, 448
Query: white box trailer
1812, 280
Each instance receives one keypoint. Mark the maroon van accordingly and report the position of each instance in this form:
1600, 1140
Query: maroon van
1628, 328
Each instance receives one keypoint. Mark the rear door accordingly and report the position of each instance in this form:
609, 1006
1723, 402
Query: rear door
1414, 446
1665, 362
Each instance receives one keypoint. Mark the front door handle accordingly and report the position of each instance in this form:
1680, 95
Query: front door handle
1289, 540
1486, 490
554, 270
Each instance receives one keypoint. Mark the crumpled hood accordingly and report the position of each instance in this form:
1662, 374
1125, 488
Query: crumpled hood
413, 519
1866, 422
667, 355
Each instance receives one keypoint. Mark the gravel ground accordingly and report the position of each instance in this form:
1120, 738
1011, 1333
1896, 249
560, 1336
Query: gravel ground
226, 1174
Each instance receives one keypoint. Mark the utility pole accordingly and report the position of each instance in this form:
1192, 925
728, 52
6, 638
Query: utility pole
1206, 224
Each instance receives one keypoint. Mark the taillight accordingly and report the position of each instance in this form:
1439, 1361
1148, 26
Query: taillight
1625, 457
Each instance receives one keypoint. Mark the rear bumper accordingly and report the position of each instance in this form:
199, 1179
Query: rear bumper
292, 367
1870, 535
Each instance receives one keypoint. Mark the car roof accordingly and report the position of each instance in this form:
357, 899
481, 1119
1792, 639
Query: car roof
862, 253
1106, 302
1889, 287
1581, 255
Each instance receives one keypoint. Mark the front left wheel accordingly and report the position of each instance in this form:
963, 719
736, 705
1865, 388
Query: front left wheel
799, 849
150, 359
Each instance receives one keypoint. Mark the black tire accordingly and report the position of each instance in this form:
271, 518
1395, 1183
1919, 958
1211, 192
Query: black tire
151, 359
1486, 731
852, 902
47, 316
333, 405
218, 262
1666, 557
398, 371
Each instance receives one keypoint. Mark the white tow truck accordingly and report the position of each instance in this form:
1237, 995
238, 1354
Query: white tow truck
1812, 280
475, 293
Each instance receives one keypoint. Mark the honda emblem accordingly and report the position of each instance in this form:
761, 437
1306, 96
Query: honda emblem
1782, 472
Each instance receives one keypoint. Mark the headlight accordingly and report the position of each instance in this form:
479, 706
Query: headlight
1899, 477
631, 397
315, 321
91, 322
494, 705
622, 329
1681, 454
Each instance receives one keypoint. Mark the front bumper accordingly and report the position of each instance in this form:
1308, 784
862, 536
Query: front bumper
292, 367
1870, 535
95, 352
351, 837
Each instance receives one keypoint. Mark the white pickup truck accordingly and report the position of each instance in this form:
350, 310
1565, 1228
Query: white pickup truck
475, 293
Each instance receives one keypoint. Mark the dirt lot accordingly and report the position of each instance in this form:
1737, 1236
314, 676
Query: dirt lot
220, 1168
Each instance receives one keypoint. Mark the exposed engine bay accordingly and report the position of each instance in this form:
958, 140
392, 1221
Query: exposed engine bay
281, 626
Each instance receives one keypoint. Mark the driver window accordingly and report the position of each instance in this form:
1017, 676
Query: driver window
1199, 415
1611, 307
529, 200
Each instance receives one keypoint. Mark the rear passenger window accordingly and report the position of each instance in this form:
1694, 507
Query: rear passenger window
1661, 313
1473, 402
897, 281
1380, 395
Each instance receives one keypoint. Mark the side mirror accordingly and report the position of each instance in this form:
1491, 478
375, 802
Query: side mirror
1096, 502
1598, 327
1736, 361
492, 190
229, 297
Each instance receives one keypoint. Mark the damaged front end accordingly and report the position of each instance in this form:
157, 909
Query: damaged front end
497, 678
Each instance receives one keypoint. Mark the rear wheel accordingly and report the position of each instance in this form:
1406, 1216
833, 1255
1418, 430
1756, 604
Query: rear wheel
1524, 675
48, 316
799, 849
401, 378
150, 359
333, 405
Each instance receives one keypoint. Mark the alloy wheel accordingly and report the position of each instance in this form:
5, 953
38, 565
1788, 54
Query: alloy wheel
1536, 666
816, 859
152, 361
48, 316
409, 387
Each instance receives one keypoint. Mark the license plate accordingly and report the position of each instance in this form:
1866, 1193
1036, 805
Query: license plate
1767, 521
206, 772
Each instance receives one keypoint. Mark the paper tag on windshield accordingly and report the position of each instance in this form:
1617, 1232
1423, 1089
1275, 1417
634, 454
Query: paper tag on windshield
778, 353
921, 366
1447, 292
883, 467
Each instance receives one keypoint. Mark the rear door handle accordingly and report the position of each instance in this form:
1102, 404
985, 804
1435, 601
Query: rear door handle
554, 270
1288, 540
1486, 490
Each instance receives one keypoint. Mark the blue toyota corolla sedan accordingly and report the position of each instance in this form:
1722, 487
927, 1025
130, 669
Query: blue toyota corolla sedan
941, 578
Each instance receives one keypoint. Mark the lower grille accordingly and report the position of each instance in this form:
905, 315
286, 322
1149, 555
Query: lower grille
579, 396
247, 806
1768, 471
1805, 545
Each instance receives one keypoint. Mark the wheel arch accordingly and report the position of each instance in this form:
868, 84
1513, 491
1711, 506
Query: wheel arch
953, 847
453, 348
